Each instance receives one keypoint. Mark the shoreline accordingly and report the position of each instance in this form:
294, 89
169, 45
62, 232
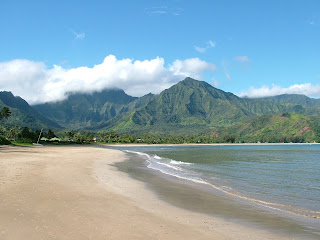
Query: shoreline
76, 192
208, 201
150, 201
206, 144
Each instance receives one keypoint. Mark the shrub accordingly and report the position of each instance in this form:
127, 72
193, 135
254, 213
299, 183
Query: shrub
4, 141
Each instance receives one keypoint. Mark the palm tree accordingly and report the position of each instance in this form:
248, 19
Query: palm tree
5, 113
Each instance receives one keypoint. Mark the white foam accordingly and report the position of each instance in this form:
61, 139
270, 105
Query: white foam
179, 162
227, 188
169, 166
138, 153
193, 179
155, 163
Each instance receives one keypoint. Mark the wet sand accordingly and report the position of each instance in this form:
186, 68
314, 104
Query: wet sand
75, 192
206, 200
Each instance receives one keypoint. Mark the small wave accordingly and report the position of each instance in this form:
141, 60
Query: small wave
179, 162
193, 179
181, 173
161, 162
275, 206
138, 153
227, 188
169, 166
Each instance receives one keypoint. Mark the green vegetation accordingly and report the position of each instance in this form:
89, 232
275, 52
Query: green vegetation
189, 112
22, 114
25, 136
5, 113
87, 110
192, 107
283, 127
4, 141
296, 99
279, 128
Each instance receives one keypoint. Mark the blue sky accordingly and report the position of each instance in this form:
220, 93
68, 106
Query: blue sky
254, 48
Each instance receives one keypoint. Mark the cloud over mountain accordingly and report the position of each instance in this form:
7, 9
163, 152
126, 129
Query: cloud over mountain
266, 91
37, 84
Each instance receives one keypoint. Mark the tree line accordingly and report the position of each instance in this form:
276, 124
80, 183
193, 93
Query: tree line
26, 135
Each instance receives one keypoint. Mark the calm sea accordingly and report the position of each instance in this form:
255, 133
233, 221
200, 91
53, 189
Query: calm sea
278, 178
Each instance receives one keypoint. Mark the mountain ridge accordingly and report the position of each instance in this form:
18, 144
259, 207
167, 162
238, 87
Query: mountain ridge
189, 106
193, 103
298, 99
23, 113
82, 110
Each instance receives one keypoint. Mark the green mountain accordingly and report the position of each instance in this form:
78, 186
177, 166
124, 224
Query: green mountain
193, 106
297, 99
187, 108
23, 114
184, 107
81, 110
284, 127
192, 102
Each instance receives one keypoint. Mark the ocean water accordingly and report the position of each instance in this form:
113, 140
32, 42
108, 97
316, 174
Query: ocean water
282, 179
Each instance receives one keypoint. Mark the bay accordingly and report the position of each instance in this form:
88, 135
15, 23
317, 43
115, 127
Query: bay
280, 180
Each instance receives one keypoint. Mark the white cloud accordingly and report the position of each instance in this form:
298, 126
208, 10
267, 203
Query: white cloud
243, 59
34, 82
192, 67
209, 44
265, 91
22, 76
177, 11
200, 49
226, 73
159, 12
164, 10
79, 36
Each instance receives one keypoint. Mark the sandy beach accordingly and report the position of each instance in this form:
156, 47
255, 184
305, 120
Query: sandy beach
74, 192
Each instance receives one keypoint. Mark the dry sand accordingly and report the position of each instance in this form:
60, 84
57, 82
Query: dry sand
76, 193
